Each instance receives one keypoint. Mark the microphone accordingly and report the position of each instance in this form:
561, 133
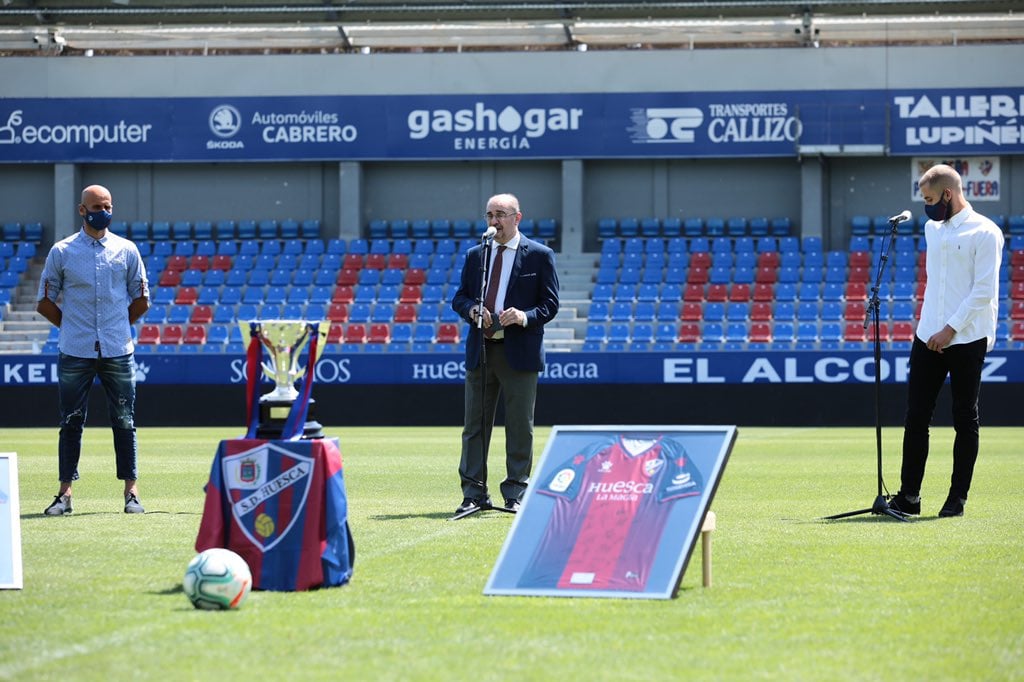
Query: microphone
492, 230
902, 217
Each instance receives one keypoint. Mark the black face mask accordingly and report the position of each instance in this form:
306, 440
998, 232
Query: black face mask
939, 211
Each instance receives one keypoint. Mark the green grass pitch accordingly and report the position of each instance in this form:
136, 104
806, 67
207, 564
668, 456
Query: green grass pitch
794, 597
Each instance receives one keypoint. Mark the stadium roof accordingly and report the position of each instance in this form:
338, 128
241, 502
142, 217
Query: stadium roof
54, 27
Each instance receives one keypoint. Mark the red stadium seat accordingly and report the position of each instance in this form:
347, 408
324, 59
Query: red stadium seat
761, 332
1017, 310
169, 278
1017, 257
343, 293
739, 292
697, 275
860, 259
854, 331
195, 334
447, 332
766, 276
149, 334
352, 261
1017, 331
760, 312
700, 259
415, 276
902, 331
337, 312
347, 277
222, 262
861, 275
201, 314
201, 263
764, 291
355, 333
856, 291
768, 259
179, 263
186, 295
694, 293
405, 312
379, 333
336, 333
855, 310
718, 292
883, 330
410, 293
691, 312
171, 333
376, 261
689, 332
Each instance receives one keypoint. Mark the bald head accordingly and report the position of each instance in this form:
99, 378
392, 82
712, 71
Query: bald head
95, 208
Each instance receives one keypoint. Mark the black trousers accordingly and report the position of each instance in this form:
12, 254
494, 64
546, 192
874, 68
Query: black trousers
962, 363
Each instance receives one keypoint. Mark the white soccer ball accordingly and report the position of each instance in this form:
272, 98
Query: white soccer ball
217, 579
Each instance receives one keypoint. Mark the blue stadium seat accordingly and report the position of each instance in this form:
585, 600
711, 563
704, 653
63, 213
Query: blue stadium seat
246, 229
309, 229
714, 227
693, 227
225, 230
629, 227
607, 229
671, 227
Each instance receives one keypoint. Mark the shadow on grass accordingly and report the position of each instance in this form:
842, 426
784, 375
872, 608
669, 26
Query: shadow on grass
77, 514
399, 517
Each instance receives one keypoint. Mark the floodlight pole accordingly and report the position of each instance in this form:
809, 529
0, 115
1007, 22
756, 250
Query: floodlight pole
881, 504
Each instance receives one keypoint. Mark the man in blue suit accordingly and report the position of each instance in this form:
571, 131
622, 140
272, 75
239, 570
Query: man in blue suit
520, 297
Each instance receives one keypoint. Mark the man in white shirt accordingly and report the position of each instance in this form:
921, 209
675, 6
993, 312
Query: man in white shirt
956, 329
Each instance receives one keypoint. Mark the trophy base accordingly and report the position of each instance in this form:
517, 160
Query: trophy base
274, 414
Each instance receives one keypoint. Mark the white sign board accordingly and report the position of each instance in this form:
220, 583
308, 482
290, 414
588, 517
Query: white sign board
10, 523
980, 175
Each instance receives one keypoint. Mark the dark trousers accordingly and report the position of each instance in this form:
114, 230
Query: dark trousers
520, 395
962, 363
75, 378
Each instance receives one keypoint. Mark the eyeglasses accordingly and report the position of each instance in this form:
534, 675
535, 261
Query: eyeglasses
500, 215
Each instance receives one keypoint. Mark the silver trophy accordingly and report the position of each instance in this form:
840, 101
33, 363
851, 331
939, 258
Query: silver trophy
285, 340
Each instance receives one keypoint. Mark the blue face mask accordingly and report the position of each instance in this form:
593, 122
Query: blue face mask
98, 220
939, 211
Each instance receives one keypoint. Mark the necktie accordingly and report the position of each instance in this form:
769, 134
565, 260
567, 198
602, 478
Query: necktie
492, 287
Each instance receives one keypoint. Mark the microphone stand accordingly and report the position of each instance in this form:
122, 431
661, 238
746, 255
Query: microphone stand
487, 245
881, 504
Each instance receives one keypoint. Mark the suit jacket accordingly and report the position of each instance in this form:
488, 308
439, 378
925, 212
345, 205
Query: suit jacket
532, 288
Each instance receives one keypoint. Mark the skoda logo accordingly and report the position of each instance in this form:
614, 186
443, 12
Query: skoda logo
225, 120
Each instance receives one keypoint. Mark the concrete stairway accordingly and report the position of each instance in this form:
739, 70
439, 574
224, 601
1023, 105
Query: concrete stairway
576, 280
23, 330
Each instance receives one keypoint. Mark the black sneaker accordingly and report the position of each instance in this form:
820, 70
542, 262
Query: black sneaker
953, 506
513, 505
132, 505
470, 505
61, 505
900, 503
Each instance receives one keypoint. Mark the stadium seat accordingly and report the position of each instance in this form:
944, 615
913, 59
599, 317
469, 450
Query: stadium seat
171, 334
195, 334
447, 332
149, 334
355, 333
379, 333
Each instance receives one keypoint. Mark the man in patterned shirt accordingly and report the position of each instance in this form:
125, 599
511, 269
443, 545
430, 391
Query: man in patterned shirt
100, 281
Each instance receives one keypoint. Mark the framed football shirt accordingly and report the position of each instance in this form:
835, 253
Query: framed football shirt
613, 511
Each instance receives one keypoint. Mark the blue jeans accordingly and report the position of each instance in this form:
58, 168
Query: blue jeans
75, 378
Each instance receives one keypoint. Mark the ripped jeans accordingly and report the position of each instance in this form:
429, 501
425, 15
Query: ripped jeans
75, 378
